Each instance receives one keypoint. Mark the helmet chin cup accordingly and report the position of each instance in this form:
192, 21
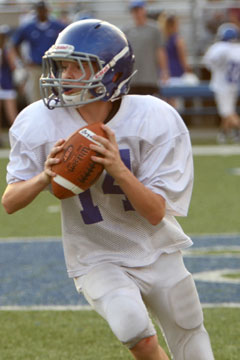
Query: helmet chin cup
78, 99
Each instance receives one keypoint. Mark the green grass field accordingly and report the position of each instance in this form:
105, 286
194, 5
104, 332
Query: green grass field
74, 335
35, 220
84, 335
215, 205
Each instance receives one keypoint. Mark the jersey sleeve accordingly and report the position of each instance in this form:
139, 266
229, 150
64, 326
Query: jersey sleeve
167, 169
215, 56
18, 36
23, 162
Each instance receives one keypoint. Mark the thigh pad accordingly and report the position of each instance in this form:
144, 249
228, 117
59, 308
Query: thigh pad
185, 304
103, 279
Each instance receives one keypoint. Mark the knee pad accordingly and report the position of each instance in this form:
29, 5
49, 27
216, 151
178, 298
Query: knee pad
128, 319
118, 300
192, 338
198, 346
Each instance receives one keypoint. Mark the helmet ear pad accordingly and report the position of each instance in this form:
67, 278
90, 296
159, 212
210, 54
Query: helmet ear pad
113, 78
109, 82
122, 70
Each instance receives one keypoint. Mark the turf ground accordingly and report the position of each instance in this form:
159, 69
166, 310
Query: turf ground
58, 335
214, 208
83, 335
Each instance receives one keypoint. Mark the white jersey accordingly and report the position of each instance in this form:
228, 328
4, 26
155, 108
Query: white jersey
223, 60
100, 224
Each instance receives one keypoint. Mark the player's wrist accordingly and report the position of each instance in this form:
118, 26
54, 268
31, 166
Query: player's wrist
121, 176
44, 179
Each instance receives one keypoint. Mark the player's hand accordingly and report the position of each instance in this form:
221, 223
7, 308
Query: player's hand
51, 160
110, 158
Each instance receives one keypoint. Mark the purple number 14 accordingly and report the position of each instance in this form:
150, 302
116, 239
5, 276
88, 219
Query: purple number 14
91, 214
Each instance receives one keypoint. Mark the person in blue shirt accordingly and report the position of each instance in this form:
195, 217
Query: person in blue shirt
8, 95
39, 33
175, 47
176, 54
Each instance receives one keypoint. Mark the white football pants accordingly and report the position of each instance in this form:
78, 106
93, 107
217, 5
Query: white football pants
122, 296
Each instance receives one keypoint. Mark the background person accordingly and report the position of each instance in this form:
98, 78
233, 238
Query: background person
176, 52
8, 94
148, 47
223, 60
175, 47
37, 34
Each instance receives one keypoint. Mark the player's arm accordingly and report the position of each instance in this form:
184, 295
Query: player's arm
163, 64
146, 202
21, 193
150, 205
181, 48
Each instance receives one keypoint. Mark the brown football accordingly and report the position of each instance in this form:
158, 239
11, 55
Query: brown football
76, 172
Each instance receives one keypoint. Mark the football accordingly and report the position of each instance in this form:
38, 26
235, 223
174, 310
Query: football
76, 172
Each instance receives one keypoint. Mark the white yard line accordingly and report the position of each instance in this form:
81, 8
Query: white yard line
31, 239
221, 150
217, 276
204, 150
46, 308
209, 237
88, 307
215, 305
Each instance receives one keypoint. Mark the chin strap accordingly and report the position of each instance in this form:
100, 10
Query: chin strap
54, 99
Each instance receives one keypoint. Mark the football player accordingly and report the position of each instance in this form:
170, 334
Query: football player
122, 243
223, 60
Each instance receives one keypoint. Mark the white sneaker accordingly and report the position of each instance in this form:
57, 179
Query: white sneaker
221, 138
234, 136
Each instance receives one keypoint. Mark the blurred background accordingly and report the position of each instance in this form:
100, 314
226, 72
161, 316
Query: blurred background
198, 22
31, 238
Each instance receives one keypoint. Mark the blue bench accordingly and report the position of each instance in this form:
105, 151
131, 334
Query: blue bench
198, 93
202, 91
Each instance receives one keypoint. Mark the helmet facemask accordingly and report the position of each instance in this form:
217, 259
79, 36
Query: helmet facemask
55, 89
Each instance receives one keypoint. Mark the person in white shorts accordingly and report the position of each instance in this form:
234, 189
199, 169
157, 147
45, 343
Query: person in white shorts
223, 60
122, 243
